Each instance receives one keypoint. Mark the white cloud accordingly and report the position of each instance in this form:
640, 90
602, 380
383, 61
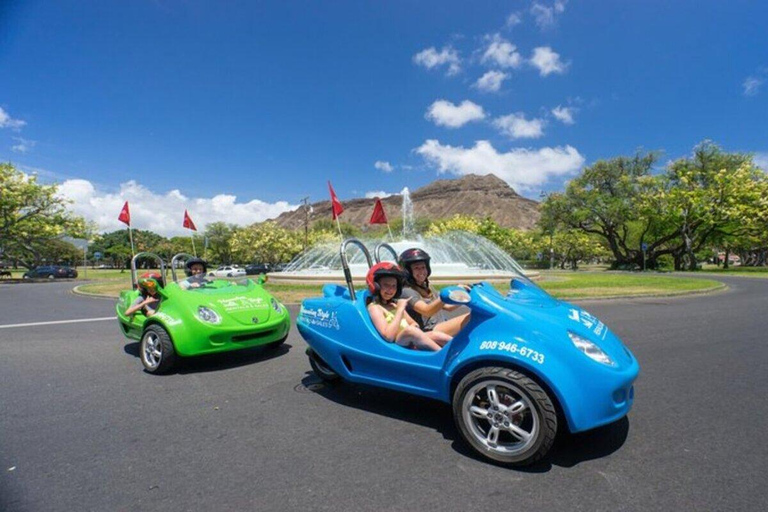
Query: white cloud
514, 19
547, 61
445, 113
491, 81
546, 16
501, 52
523, 169
23, 145
761, 160
379, 193
431, 58
162, 213
6, 121
383, 166
564, 114
752, 85
516, 126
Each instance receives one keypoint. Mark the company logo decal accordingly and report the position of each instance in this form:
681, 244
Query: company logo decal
319, 317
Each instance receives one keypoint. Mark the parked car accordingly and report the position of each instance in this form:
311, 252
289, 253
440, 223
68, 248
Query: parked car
228, 271
257, 268
50, 272
279, 267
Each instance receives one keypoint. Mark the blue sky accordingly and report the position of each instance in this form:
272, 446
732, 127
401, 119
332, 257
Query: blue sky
237, 110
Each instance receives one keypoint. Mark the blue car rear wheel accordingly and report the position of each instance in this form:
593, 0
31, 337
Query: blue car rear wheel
505, 415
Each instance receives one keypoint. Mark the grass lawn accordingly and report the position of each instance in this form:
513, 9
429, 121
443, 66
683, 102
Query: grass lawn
563, 285
736, 271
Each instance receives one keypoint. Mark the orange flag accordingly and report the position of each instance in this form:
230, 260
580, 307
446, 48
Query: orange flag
125, 215
378, 216
188, 222
335, 203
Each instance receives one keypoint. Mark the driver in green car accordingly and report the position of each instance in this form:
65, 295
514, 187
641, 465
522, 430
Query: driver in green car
196, 269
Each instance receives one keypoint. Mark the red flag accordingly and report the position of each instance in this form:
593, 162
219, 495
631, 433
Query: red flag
378, 216
125, 215
188, 222
335, 203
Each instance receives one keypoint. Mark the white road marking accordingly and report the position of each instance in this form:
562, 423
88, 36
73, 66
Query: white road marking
77, 321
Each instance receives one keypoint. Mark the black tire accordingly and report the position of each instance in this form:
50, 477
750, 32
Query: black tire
517, 428
321, 368
156, 350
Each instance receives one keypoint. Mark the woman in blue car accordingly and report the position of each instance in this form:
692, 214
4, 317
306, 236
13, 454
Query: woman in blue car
424, 304
387, 310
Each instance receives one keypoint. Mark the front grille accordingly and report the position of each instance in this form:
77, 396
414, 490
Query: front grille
253, 335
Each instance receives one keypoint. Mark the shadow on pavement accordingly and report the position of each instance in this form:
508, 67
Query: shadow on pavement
568, 451
222, 361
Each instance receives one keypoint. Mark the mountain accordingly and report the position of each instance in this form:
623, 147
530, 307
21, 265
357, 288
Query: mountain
478, 196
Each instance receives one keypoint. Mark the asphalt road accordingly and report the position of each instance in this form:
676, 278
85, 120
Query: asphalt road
82, 427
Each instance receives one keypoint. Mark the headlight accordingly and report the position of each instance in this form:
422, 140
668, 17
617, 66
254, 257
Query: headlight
460, 296
590, 349
276, 305
208, 315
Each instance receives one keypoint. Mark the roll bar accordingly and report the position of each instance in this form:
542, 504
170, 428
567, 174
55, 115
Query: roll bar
184, 255
134, 281
379, 247
345, 263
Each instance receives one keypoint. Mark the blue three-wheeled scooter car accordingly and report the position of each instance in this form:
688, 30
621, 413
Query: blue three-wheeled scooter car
524, 363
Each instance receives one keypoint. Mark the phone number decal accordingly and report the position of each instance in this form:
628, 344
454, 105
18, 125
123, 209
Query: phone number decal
514, 348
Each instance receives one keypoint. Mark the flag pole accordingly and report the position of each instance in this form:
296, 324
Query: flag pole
339, 226
130, 237
194, 249
390, 232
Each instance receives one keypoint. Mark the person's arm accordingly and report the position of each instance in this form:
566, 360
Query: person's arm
135, 307
388, 331
431, 309
151, 311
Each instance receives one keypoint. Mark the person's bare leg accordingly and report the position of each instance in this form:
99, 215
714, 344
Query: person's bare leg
439, 337
453, 326
417, 337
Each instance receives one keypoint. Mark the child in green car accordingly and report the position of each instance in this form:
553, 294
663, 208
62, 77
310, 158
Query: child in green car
196, 269
148, 300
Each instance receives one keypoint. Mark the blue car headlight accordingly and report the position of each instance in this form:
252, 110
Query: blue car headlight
208, 315
276, 305
590, 349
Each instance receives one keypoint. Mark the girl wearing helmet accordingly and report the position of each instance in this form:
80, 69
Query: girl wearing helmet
385, 283
424, 305
149, 299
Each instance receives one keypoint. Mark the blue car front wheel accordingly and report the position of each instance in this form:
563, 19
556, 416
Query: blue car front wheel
505, 415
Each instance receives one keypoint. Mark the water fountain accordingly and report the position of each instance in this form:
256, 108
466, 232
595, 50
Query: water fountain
455, 255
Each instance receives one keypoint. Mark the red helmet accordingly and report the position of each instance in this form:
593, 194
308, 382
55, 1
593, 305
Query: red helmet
384, 269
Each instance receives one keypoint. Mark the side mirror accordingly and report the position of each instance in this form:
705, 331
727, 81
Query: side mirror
262, 279
455, 295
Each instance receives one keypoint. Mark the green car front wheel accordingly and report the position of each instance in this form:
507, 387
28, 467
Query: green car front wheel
156, 350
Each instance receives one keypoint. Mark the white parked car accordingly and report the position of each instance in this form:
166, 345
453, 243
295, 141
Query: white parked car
228, 271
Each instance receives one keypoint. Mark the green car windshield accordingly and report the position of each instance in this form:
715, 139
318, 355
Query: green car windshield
220, 286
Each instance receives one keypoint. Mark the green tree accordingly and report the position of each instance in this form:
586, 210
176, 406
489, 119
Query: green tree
219, 236
31, 215
265, 243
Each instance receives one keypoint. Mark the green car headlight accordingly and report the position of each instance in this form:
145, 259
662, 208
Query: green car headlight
208, 315
590, 349
276, 305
